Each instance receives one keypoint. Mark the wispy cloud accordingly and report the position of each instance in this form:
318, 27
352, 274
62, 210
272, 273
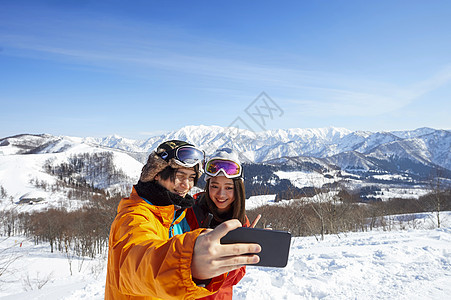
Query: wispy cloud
141, 48
364, 100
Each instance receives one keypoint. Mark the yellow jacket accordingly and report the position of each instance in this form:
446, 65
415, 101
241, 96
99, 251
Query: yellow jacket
143, 262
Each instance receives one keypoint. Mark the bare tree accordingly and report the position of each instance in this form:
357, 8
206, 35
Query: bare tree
3, 193
7, 256
438, 198
36, 283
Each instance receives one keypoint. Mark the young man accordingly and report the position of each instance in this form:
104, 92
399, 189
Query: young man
152, 254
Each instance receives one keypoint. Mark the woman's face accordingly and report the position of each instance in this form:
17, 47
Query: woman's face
221, 191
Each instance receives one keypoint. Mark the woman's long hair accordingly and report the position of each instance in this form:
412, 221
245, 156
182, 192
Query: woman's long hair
238, 207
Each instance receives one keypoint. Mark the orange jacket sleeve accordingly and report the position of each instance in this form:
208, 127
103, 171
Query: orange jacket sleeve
143, 262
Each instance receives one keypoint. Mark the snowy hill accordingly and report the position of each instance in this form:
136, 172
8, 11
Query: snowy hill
22, 166
400, 264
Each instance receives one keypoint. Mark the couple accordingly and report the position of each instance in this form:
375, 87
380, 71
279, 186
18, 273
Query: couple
164, 244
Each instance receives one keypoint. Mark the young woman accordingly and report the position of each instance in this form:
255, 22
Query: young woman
223, 199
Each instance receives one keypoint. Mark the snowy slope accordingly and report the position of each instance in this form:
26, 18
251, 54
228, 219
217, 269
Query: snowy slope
408, 264
378, 265
18, 170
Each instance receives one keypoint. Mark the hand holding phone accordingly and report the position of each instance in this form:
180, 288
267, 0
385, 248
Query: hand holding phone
275, 244
211, 258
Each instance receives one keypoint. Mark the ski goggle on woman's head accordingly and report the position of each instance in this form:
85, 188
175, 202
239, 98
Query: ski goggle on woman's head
229, 168
185, 156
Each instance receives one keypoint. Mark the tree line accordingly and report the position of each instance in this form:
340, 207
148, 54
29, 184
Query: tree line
339, 211
82, 232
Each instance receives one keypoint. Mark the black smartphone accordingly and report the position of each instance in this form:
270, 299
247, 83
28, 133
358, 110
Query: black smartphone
275, 244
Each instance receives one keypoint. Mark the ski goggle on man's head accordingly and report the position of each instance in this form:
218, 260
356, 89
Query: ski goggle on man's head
185, 156
230, 168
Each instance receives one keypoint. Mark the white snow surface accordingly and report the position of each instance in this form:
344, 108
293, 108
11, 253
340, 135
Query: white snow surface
302, 179
256, 201
414, 263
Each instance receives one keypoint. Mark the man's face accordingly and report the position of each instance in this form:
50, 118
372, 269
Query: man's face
183, 182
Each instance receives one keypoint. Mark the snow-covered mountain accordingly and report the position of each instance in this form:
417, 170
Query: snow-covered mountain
358, 149
424, 144
416, 153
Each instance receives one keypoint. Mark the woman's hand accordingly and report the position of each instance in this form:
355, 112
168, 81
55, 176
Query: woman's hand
256, 221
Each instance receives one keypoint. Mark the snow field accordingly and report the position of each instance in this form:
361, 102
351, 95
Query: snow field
371, 265
407, 264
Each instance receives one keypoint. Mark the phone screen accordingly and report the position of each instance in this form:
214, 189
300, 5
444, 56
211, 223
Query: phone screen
275, 244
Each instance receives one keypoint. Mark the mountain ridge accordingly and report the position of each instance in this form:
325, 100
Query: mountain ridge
425, 145
355, 158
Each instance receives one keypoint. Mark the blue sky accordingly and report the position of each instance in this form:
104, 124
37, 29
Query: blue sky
142, 68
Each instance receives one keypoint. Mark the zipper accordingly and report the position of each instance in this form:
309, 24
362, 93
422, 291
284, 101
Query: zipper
171, 227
